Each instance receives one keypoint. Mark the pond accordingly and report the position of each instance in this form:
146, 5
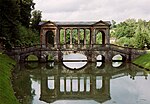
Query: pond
107, 83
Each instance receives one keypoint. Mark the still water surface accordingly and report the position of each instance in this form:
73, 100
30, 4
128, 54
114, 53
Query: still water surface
53, 83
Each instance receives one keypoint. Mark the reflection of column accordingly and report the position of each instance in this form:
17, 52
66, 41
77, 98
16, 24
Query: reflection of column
84, 38
85, 84
106, 85
65, 84
78, 36
71, 38
78, 84
71, 84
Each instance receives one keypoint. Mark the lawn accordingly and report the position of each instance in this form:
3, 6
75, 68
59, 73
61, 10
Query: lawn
6, 90
143, 61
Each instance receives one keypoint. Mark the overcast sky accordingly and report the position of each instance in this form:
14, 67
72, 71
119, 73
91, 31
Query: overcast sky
88, 10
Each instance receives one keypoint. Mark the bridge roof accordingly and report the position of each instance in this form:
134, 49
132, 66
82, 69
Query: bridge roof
76, 23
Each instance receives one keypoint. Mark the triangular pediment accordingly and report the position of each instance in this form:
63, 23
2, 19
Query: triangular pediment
48, 23
102, 23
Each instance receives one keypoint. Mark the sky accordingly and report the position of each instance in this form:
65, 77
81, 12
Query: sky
93, 10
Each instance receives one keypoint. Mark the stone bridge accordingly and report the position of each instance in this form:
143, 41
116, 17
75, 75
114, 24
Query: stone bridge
107, 52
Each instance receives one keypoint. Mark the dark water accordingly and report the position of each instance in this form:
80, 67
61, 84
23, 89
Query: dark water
42, 84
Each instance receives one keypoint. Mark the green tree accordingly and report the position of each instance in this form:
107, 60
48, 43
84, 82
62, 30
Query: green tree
36, 18
9, 21
26, 6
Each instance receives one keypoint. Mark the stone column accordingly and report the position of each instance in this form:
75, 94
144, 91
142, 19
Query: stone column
78, 37
84, 38
41, 37
58, 39
71, 38
64, 37
94, 37
107, 36
55, 38
91, 35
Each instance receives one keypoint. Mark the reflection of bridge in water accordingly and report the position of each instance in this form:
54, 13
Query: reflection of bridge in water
90, 83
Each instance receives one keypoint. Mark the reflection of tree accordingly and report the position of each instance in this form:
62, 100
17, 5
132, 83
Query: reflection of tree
22, 87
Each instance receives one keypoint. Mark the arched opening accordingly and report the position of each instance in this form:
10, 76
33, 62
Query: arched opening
100, 37
49, 38
31, 58
100, 59
74, 61
118, 60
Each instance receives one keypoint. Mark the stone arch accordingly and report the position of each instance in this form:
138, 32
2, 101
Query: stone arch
122, 55
49, 38
24, 56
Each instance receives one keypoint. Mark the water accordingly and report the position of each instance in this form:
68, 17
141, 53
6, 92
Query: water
52, 83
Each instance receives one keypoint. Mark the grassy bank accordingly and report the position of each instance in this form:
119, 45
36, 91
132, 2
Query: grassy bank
6, 90
143, 61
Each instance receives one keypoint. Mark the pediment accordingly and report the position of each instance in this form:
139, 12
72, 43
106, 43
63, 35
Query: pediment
49, 23
102, 23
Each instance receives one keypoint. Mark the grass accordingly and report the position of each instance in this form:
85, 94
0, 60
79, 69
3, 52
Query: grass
143, 61
6, 91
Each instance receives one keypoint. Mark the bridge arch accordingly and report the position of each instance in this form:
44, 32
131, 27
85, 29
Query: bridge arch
118, 57
24, 57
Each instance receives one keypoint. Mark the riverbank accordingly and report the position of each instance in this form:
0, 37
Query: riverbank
6, 91
143, 61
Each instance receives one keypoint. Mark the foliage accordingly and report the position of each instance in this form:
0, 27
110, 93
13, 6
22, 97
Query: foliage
15, 16
36, 18
132, 32
26, 6
27, 36
9, 21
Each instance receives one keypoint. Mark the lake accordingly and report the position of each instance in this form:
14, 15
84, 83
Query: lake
95, 83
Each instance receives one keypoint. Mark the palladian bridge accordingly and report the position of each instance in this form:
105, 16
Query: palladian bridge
88, 38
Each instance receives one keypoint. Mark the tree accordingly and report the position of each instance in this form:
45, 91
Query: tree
9, 21
26, 6
36, 18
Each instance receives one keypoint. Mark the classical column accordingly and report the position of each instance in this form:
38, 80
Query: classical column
78, 36
55, 38
41, 37
71, 38
84, 38
107, 36
58, 30
91, 35
64, 37
94, 36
